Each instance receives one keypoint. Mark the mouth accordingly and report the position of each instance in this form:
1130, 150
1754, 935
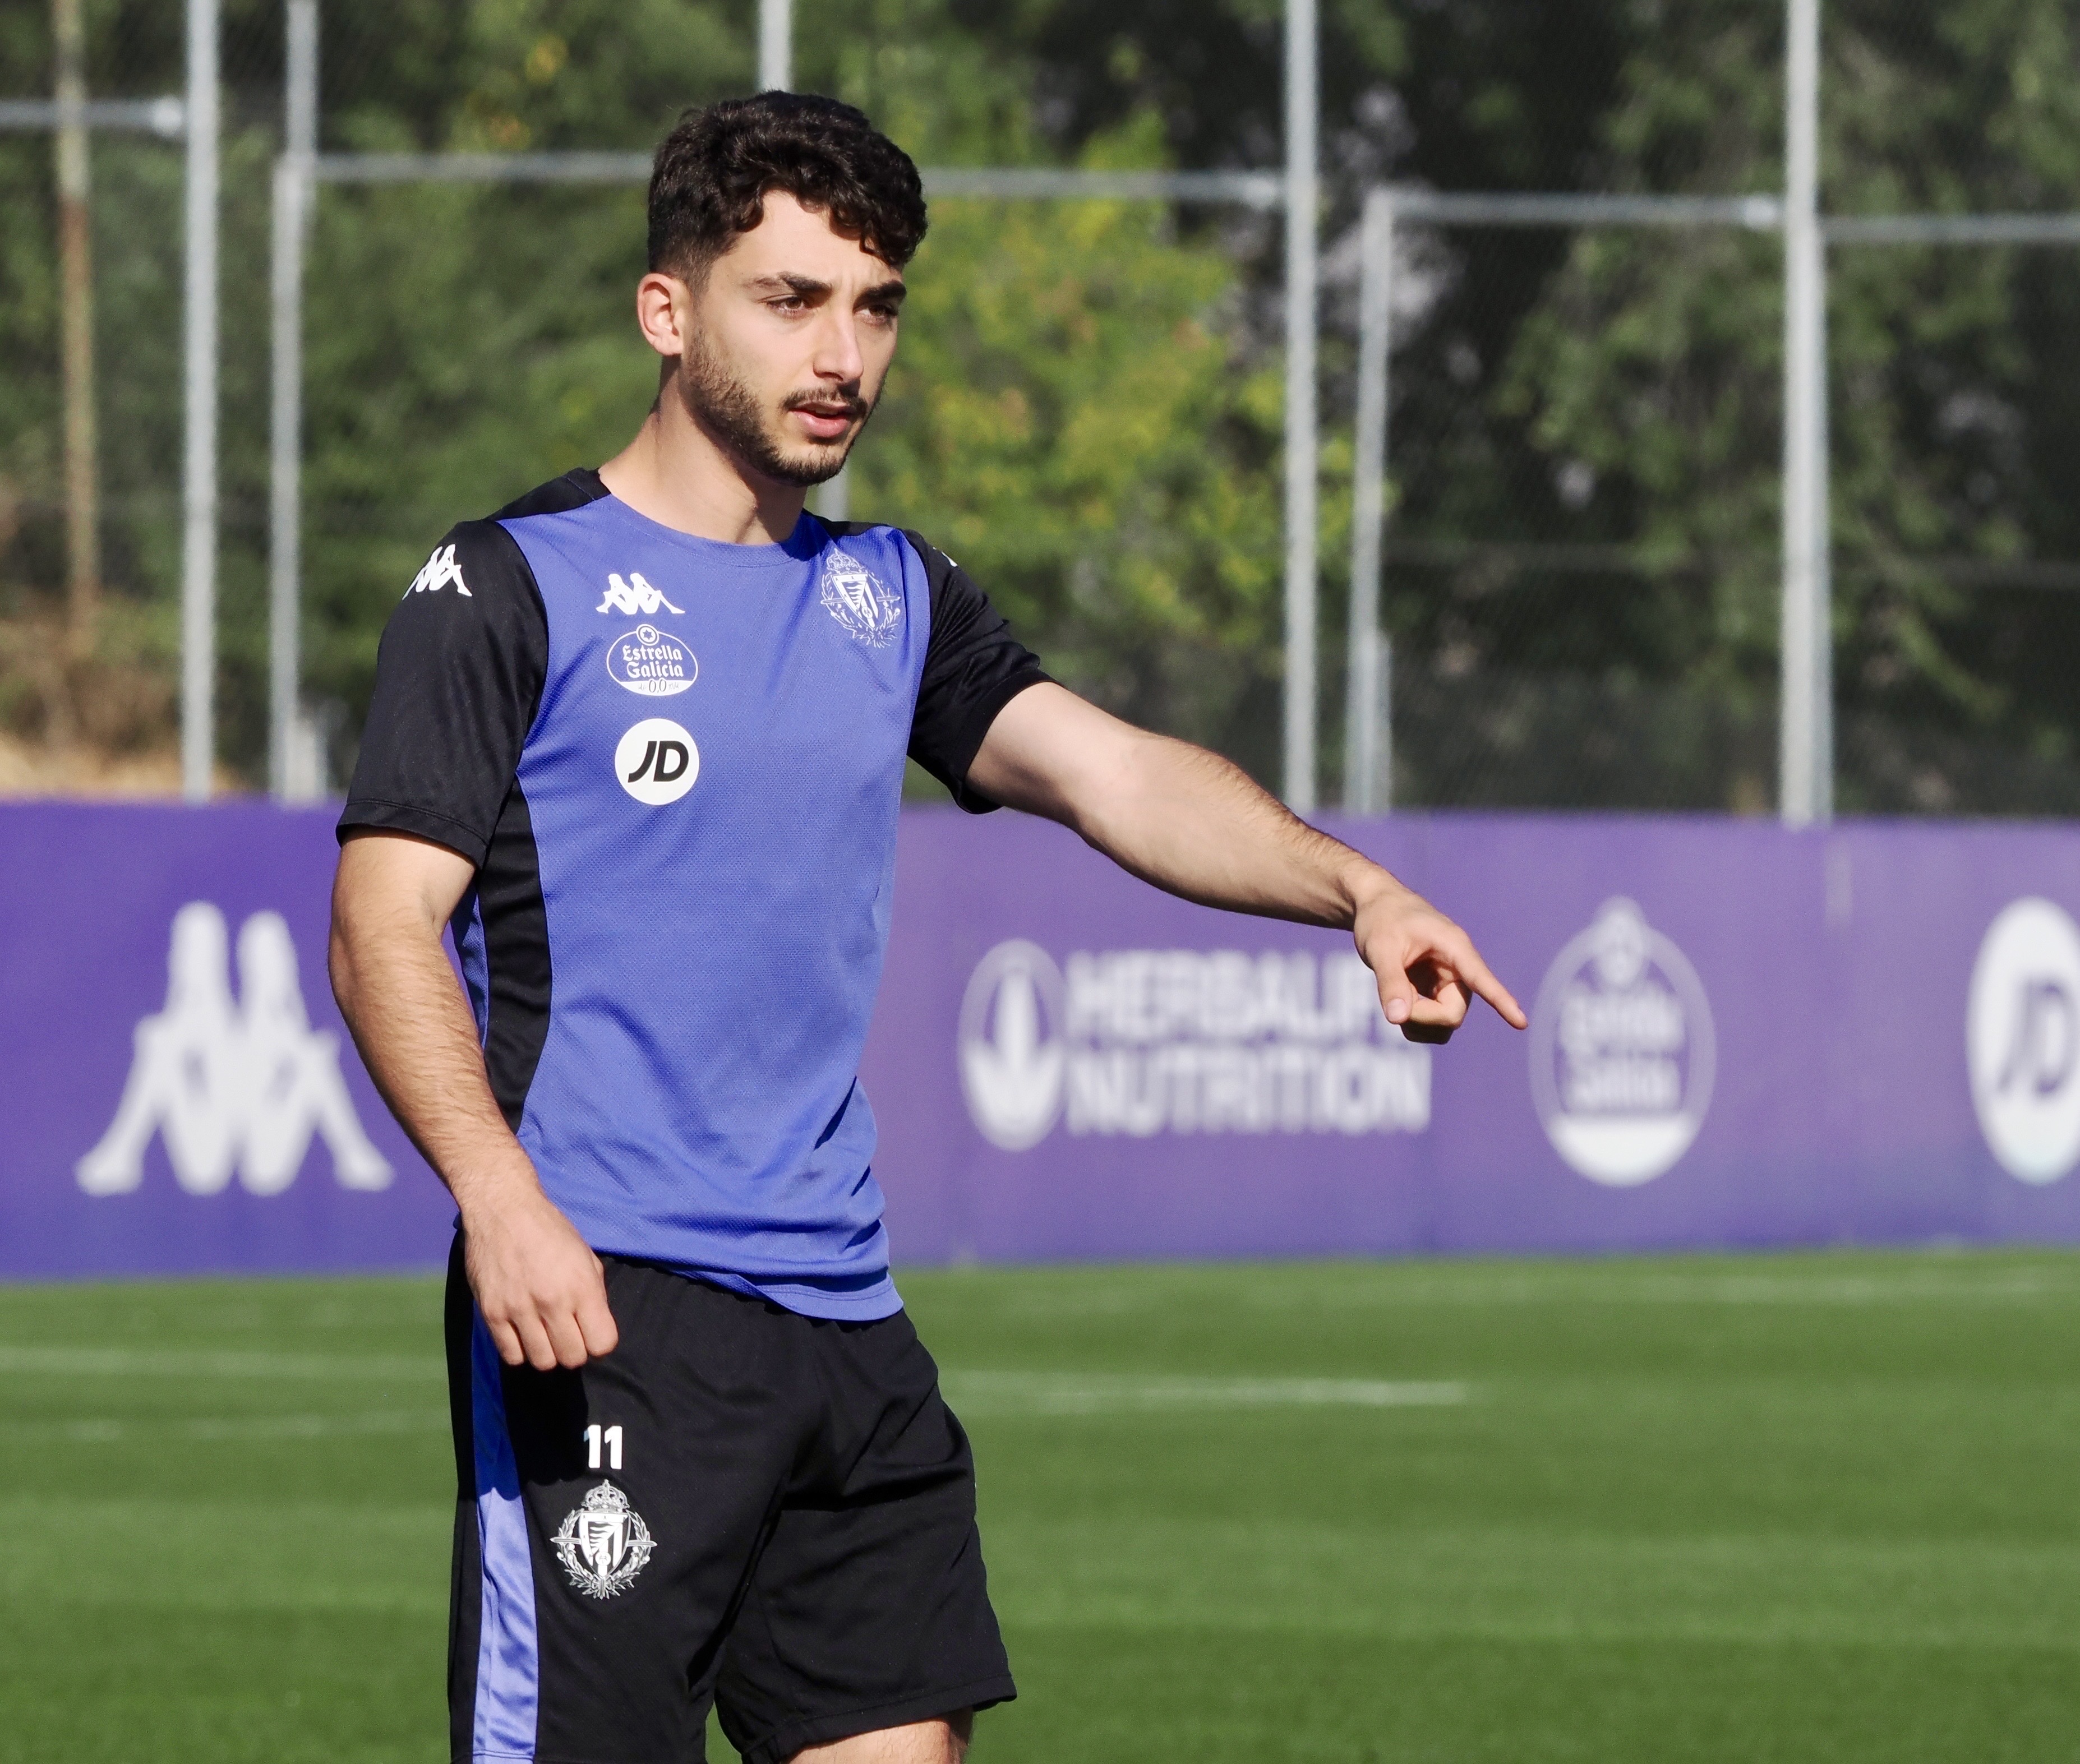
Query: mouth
828, 419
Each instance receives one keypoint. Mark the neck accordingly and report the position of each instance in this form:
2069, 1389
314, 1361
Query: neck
676, 473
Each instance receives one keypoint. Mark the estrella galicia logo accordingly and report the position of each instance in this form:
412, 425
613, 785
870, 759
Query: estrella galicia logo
1621, 1050
859, 600
632, 597
657, 761
603, 1543
1012, 1050
651, 663
2022, 1036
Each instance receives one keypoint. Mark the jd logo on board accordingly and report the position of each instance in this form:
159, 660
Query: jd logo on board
2022, 1037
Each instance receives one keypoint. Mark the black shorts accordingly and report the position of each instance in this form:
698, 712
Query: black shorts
740, 1506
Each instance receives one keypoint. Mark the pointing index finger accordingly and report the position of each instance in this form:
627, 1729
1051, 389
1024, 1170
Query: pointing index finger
1477, 974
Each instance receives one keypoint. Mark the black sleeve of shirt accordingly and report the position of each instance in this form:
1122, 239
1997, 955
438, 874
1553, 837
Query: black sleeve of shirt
973, 667
458, 681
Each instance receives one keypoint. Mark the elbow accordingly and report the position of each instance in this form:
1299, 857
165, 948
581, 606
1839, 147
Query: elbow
340, 968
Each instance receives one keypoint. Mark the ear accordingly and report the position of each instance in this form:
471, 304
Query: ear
664, 313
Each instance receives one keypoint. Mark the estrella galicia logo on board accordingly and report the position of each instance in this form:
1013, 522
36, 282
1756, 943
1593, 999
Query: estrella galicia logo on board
438, 572
240, 1085
1012, 1053
651, 663
858, 599
657, 762
2022, 1039
632, 597
603, 1543
1621, 1050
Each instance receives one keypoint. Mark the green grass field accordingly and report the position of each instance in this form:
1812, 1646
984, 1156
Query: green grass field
1811, 1507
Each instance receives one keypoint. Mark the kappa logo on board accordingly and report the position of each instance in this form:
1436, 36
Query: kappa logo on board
2022, 1039
603, 1543
1621, 1050
1149, 1042
859, 600
438, 572
632, 597
657, 762
228, 1085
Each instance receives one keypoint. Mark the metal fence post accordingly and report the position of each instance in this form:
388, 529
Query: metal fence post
776, 45
76, 320
293, 190
1806, 733
200, 376
1302, 103
1368, 728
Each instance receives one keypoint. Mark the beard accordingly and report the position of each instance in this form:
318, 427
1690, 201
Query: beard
729, 411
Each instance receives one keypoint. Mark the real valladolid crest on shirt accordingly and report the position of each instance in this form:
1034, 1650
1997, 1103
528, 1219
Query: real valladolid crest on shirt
858, 599
799, 677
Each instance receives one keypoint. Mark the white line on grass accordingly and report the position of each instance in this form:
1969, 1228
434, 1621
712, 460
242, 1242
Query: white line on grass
1083, 1393
182, 1363
103, 1431
1568, 1286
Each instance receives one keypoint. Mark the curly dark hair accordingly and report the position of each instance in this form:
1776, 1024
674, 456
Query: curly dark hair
712, 172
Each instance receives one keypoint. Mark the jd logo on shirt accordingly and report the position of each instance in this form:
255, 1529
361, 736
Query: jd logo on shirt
657, 761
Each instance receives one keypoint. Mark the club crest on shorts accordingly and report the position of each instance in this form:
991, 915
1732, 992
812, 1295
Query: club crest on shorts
603, 1543
859, 600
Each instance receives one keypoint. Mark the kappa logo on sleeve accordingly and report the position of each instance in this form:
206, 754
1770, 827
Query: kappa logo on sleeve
440, 571
633, 596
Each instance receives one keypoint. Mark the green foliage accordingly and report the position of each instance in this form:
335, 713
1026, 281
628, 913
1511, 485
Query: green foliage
1582, 572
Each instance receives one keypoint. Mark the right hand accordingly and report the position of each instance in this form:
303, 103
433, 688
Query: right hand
539, 1288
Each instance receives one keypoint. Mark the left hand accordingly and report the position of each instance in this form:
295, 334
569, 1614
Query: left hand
1428, 970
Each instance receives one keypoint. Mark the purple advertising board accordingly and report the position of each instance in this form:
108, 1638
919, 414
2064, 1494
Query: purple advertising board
1741, 1036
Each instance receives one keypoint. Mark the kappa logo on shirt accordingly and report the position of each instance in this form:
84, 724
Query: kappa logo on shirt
440, 571
633, 596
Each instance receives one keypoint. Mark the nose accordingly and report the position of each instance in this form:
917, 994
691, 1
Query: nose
838, 355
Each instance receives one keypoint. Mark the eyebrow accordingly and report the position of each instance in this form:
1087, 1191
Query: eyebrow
808, 285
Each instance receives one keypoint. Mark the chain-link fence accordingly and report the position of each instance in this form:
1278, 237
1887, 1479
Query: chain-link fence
1581, 558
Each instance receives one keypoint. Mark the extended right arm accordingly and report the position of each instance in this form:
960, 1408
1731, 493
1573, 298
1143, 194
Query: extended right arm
537, 1283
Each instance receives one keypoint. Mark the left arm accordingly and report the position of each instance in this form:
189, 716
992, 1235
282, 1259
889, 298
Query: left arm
1196, 826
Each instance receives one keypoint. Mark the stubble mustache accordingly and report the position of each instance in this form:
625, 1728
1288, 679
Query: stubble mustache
730, 411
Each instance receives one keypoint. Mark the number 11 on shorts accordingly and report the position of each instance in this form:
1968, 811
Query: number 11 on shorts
594, 1439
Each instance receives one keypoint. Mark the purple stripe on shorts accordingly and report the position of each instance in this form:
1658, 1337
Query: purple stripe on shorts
508, 1659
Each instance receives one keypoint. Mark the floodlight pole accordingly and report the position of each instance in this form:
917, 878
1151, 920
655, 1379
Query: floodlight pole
199, 466
1302, 118
294, 173
1368, 717
776, 45
1805, 791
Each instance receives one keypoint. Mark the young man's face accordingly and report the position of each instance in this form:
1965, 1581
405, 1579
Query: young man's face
789, 340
